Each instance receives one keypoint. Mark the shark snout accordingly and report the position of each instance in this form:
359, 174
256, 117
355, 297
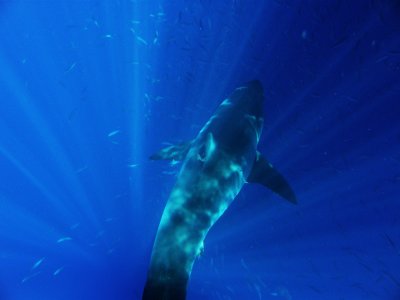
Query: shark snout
255, 86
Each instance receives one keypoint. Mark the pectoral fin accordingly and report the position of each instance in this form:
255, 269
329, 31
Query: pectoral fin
174, 152
264, 173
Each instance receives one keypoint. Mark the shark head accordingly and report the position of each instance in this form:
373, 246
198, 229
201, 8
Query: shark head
236, 125
249, 99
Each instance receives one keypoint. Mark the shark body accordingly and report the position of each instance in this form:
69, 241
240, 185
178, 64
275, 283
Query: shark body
216, 165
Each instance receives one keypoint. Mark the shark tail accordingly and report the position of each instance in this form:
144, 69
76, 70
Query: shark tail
155, 290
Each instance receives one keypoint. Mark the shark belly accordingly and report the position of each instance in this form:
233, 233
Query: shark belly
197, 201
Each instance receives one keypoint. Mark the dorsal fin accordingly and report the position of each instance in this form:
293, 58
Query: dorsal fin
264, 173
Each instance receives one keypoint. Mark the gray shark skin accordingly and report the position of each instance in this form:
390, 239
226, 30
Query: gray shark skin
216, 165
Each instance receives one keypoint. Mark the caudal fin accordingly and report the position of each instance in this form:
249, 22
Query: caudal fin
164, 291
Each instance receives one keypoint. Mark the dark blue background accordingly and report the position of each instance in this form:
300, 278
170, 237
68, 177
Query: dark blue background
71, 72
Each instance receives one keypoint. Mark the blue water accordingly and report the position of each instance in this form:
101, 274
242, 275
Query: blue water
90, 89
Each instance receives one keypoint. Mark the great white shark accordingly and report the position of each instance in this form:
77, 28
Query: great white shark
216, 164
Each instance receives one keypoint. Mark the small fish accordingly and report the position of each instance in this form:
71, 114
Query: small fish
81, 169
230, 289
159, 15
64, 239
382, 59
244, 264
72, 114
56, 272
107, 36
155, 40
138, 38
74, 226
37, 264
390, 241
133, 165
70, 68
391, 277
29, 277
100, 233
112, 133
339, 42
141, 40
366, 267
257, 288
315, 289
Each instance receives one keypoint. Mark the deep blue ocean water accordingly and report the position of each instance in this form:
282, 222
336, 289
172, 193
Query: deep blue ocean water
90, 89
